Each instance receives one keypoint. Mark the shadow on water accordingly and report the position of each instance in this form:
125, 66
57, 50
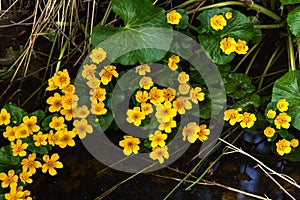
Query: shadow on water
80, 177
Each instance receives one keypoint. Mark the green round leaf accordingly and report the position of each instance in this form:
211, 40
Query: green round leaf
288, 87
136, 15
239, 85
293, 21
238, 27
16, 113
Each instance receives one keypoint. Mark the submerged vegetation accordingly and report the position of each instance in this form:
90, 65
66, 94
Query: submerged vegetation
95, 57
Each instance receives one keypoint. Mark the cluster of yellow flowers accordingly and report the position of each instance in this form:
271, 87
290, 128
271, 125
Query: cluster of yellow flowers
173, 17
29, 129
280, 120
228, 44
246, 119
167, 103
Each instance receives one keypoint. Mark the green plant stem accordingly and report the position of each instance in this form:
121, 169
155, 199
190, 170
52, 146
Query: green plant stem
298, 49
124, 181
193, 27
188, 3
252, 60
62, 51
245, 56
213, 163
107, 12
268, 66
270, 26
291, 53
197, 165
253, 6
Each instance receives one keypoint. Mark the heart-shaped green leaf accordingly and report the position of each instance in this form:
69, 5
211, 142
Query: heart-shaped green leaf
288, 87
136, 43
293, 21
239, 85
238, 27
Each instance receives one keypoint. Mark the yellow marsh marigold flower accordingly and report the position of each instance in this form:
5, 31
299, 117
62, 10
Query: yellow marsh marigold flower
166, 126
169, 94
282, 105
31, 123
30, 164
51, 163
107, 73
228, 45
68, 114
135, 116
294, 142
271, 114
142, 69
51, 85
69, 89
98, 108
93, 82
190, 132
269, 131
97, 55
81, 112
158, 139
53, 138
172, 62
88, 71
10, 133
55, 102
57, 123
156, 96
82, 127
18, 148
141, 96
248, 120
283, 147
22, 131
25, 177
159, 153
173, 17
69, 101
241, 47
26, 193
218, 22
130, 145
61, 79
146, 82
232, 116
66, 138
14, 194
228, 15
282, 120
183, 77
40, 139
184, 88
181, 104
98, 93
203, 132
4, 117
9, 179
146, 108
165, 112
196, 95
